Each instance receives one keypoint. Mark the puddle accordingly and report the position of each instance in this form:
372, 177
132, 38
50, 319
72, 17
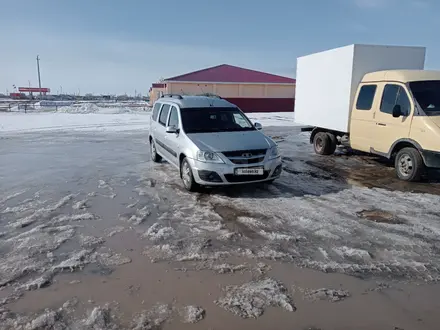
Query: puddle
380, 216
230, 217
370, 172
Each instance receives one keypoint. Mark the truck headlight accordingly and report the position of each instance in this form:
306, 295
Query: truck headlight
274, 152
209, 157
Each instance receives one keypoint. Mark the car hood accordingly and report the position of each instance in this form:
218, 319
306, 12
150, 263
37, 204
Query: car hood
231, 141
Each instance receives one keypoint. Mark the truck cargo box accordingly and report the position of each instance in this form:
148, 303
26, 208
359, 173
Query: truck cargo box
327, 82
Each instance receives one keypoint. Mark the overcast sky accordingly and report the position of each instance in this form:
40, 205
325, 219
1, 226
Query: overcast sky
118, 46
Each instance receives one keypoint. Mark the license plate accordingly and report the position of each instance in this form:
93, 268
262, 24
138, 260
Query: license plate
249, 171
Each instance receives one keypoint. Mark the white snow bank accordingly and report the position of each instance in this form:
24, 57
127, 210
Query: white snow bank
94, 108
32, 122
273, 118
90, 117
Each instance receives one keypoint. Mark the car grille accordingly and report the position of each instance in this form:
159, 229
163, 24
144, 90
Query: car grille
246, 178
246, 156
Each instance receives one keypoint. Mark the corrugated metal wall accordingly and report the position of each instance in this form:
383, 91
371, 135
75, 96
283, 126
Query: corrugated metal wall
264, 104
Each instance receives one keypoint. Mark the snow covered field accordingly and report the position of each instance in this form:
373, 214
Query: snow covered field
90, 117
33, 122
103, 238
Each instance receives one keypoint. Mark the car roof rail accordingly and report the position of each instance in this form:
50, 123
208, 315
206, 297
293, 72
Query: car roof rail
210, 95
176, 96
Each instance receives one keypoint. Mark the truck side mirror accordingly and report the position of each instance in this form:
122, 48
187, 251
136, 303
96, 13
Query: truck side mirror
397, 111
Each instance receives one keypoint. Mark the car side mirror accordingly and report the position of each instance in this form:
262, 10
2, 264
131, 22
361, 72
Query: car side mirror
397, 111
172, 129
258, 126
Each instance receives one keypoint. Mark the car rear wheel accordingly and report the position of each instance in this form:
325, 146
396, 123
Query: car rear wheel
153, 151
187, 176
323, 144
409, 165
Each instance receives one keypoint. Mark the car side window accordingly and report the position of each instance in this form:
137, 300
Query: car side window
366, 97
174, 118
395, 95
164, 114
156, 109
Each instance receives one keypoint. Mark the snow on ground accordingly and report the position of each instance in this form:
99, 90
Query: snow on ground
32, 122
66, 200
91, 117
274, 118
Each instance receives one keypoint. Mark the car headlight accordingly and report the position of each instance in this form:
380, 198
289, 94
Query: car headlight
274, 152
208, 157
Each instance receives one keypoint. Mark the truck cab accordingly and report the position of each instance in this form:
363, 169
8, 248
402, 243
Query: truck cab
396, 114
377, 99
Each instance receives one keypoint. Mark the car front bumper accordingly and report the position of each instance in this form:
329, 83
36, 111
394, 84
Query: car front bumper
210, 174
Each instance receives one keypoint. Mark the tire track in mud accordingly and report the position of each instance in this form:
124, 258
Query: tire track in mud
373, 243
362, 251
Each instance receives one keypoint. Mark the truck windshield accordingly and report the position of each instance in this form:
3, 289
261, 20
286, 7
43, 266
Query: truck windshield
209, 120
427, 94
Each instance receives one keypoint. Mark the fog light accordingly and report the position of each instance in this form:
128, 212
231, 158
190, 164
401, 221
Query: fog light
209, 176
277, 171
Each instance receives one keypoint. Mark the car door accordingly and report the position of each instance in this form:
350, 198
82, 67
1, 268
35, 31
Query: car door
172, 140
362, 118
389, 129
160, 132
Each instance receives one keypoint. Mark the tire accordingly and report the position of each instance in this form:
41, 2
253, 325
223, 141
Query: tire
153, 151
333, 143
187, 176
409, 165
322, 144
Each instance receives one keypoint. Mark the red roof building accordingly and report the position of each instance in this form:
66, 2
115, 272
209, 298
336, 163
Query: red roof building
250, 90
225, 73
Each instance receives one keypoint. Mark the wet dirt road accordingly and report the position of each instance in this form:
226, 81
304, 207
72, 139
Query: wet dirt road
95, 236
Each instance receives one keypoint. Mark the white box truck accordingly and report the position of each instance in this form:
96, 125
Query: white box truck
375, 99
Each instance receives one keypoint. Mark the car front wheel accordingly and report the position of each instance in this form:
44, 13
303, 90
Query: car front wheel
187, 176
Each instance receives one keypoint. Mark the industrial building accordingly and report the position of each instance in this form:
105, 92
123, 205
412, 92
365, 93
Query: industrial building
250, 90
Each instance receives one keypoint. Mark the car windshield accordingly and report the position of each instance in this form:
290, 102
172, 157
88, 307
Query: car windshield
427, 94
209, 120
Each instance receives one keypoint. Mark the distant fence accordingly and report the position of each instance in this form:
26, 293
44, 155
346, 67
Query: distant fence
46, 105
52, 104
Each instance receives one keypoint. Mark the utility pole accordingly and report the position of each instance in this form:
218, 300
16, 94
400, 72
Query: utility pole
39, 77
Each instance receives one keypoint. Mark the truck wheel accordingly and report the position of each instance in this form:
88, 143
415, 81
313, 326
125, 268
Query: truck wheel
409, 164
334, 143
153, 151
322, 144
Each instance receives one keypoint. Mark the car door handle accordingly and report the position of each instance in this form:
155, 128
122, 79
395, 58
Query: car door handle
381, 124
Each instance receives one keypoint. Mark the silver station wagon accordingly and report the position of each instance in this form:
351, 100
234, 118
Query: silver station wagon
211, 142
